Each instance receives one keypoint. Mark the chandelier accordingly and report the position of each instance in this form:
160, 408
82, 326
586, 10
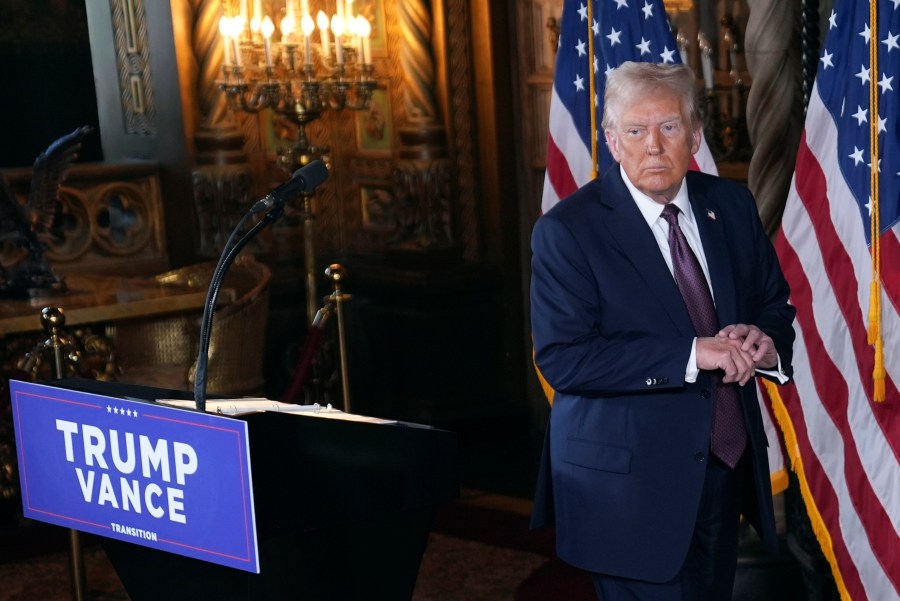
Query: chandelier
299, 69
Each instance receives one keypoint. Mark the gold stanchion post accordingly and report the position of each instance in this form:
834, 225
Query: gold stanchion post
335, 272
53, 319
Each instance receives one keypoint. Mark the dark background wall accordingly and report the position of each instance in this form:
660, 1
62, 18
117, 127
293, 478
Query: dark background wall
45, 67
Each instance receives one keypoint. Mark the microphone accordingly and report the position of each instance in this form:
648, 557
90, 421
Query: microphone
304, 179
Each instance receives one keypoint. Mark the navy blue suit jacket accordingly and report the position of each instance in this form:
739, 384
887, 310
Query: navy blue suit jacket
628, 438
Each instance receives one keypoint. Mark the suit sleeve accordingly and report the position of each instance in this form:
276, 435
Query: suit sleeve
584, 344
775, 316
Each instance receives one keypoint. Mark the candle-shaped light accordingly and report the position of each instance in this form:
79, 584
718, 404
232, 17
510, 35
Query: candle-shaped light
730, 37
237, 25
225, 31
288, 25
308, 26
682, 42
337, 28
267, 28
365, 30
322, 22
705, 60
256, 20
353, 26
349, 12
304, 8
245, 11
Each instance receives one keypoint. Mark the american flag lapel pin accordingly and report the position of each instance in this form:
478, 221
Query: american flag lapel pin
711, 214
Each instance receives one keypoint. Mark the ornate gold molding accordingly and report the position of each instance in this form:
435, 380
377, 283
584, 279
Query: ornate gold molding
133, 62
110, 220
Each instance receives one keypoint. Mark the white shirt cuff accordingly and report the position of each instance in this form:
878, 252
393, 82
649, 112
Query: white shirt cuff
777, 373
691, 373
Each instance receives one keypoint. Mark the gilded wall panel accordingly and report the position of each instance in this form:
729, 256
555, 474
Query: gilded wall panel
133, 63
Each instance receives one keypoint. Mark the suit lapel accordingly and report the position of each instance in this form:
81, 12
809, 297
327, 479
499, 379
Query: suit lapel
627, 227
712, 233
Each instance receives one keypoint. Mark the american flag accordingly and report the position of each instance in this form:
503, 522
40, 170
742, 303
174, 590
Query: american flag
622, 30
843, 444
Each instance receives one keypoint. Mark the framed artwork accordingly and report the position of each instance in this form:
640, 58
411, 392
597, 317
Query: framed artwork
377, 207
373, 10
374, 127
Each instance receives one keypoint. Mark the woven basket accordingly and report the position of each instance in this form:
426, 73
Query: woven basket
163, 351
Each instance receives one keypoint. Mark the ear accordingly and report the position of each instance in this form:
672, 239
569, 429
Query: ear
695, 140
612, 142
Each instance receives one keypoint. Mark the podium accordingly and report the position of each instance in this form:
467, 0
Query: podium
343, 510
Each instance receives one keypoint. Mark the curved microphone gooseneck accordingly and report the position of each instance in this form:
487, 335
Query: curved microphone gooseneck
306, 179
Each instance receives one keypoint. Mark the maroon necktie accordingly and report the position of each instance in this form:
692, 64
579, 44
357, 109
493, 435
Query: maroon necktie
728, 437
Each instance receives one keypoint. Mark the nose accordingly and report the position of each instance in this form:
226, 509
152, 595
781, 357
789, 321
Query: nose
653, 146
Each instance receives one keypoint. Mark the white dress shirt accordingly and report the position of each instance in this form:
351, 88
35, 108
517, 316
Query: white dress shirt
652, 211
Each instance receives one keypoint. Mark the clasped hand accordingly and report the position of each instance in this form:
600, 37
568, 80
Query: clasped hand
738, 350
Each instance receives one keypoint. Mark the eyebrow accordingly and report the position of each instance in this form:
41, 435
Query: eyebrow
627, 125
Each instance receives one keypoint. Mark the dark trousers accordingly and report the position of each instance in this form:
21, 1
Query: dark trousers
708, 570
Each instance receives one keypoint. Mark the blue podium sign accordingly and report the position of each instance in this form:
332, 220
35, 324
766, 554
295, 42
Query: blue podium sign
172, 479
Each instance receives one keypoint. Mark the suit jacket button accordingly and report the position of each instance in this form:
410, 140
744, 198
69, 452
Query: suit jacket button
649, 381
705, 393
699, 457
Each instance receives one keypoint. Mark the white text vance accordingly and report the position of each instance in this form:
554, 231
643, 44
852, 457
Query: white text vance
135, 462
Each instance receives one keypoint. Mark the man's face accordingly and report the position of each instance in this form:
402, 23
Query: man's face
654, 144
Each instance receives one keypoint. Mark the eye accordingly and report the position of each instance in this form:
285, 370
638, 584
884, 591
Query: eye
671, 128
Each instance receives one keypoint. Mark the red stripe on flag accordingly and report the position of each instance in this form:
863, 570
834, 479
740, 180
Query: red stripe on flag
558, 171
890, 260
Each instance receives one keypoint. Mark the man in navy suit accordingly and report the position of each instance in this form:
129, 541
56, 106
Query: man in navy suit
628, 477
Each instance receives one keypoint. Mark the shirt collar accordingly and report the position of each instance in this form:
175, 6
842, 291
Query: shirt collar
650, 209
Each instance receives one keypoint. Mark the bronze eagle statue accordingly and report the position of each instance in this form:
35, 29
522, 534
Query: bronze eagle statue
26, 225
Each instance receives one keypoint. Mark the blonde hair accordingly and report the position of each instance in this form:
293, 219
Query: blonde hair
631, 80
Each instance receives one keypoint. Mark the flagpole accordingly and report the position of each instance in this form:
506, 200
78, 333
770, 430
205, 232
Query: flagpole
592, 79
874, 337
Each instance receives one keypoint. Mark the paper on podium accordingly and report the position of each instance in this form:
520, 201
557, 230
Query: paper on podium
243, 406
